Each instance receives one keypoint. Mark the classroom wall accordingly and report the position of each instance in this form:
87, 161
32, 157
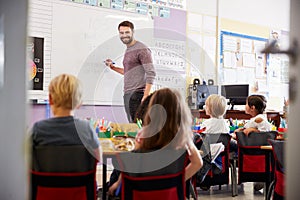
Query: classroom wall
13, 92
259, 19
111, 113
233, 15
269, 13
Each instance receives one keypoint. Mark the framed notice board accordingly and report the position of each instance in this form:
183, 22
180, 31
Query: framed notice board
241, 60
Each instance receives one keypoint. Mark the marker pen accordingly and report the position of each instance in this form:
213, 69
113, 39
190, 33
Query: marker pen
111, 62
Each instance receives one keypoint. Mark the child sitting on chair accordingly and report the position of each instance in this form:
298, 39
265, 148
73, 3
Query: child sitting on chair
64, 129
255, 106
167, 124
215, 107
140, 113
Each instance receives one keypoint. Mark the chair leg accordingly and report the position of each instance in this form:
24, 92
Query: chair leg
234, 178
271, 190
192, 191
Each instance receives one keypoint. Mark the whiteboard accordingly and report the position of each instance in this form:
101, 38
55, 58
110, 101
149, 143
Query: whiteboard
83, 37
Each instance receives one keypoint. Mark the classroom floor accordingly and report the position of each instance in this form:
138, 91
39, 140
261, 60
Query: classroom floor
245, 191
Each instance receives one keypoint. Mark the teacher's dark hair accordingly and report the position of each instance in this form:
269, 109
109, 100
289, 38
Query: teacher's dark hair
126, 23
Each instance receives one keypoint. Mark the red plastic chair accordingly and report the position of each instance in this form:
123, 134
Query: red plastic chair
222, 178
153, 175
277, 187
63, 173
252, 159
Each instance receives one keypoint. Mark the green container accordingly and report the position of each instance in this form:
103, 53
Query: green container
104, 134
232, 128
131, 134
118, 134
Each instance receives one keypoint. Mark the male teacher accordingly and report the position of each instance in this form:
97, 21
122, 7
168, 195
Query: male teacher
138, 71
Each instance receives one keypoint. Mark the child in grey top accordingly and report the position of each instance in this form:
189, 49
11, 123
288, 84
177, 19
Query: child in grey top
63, 129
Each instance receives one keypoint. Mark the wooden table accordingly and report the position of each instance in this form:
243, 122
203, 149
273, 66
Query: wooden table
267, 147
105, 156
106, 153
240, 114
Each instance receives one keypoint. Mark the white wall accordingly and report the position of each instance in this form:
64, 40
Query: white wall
259, 18
270, 13
13, 171
255, 18
207, 7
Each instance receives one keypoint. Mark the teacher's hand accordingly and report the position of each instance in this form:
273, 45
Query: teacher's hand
144, 97
109, 63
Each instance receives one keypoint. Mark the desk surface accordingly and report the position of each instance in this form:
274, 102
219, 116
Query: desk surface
239, 114
108, 151
266, 147
114, 145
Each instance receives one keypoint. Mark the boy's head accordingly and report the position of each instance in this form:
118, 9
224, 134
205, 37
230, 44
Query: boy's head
215, 105
65, 92
258, 101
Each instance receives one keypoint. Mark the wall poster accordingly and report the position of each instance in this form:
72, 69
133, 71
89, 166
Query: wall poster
35, 53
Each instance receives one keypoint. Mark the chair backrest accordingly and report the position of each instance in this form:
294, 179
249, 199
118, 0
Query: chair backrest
63, 172
74, 158
202, 143
251, 158
156, 175
151, 163
255, 138
223, 177
278, 152
220, 137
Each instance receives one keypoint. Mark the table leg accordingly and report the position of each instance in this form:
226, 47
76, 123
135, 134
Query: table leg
268, 173
104, 170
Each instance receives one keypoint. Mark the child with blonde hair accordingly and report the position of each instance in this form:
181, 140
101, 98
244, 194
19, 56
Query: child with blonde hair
65, 94
215, 107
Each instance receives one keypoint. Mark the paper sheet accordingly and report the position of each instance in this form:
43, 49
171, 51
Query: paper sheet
215, 150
